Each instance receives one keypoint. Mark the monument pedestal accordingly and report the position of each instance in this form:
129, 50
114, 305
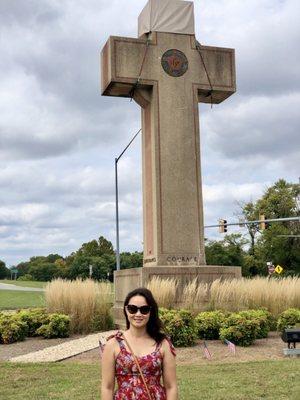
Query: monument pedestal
129, 279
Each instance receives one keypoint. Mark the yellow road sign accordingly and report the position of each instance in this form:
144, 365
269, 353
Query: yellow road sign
278, 269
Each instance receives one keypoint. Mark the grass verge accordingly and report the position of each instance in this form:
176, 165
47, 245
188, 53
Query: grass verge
13, 299
34, 284
276, 380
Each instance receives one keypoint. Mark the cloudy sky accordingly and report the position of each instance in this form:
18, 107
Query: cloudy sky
59, 137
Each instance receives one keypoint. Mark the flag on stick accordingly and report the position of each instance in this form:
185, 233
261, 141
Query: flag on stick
101, 348
230, 345
207, 353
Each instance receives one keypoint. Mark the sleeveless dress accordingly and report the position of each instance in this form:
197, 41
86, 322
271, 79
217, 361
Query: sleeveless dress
130, 384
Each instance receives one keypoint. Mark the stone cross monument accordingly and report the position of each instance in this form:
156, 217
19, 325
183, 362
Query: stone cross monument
167, 72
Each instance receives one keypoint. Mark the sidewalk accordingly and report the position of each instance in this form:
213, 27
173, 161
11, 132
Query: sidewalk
64, 350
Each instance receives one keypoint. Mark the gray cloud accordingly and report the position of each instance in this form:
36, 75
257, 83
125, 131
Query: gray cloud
59, 137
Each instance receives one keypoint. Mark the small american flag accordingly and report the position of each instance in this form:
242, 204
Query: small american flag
206, 352
101, 348
230, 345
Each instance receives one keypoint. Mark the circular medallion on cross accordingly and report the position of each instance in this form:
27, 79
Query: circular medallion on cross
174, 62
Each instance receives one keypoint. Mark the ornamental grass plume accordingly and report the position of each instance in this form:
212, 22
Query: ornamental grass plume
164, 291
195, 295
276, 295
87, 302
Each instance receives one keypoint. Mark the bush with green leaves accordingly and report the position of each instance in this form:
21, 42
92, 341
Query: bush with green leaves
25, 277
179, 325
12, 329
102, 322
239, 329
288, 319
34, 319
208, 324
263, 317
58, 327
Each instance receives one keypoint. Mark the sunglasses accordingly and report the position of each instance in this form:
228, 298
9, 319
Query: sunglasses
132, 309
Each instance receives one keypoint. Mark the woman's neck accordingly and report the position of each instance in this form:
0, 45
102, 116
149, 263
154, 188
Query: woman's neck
137, 332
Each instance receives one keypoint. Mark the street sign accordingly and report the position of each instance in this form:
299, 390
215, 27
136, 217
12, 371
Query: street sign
14, 270
278, 269
271, 269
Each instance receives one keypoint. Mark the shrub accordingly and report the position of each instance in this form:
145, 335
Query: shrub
288, 319
102, 322
262, 317
12, 329
208, 324
239, 329
180, 326
26, 277
34, 318
58, 327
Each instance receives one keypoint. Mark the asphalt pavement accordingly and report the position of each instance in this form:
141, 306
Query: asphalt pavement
6, 286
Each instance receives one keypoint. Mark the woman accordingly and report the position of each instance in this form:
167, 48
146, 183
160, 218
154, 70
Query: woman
153, 355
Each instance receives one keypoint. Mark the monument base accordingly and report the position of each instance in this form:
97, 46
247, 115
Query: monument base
127, 280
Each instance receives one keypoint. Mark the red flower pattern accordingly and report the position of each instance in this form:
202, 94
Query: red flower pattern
130, 384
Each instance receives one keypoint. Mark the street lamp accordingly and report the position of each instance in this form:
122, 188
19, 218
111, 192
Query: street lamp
117, 201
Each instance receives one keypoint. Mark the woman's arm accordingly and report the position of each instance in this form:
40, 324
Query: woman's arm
169, 372
108, 371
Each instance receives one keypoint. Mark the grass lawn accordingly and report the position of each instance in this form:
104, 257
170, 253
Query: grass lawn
276, 380
33, 284
12, 299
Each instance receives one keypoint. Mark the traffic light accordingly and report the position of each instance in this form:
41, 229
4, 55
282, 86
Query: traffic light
262, 224
222, 225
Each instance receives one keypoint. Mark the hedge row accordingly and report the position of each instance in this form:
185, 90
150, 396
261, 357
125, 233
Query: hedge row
36, 322
241, 328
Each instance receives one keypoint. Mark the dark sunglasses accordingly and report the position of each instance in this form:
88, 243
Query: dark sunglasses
132, 309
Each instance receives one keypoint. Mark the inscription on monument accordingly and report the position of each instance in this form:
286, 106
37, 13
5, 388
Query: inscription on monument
174, 62
178, 260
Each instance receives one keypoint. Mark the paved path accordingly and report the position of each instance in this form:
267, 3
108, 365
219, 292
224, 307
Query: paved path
8, 286
64, 350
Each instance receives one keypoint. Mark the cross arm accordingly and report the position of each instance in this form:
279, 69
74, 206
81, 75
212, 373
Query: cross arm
121, 60
217, 81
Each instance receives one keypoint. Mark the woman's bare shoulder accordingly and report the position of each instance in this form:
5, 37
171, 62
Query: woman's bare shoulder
111, 344
167, 346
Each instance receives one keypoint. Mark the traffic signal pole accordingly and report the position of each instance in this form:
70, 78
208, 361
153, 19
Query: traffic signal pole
257, 221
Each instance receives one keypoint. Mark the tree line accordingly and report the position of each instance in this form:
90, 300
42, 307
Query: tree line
278, 243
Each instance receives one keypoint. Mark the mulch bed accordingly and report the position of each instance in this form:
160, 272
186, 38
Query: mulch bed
263, 349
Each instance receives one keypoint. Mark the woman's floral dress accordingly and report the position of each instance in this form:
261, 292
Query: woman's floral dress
130, 384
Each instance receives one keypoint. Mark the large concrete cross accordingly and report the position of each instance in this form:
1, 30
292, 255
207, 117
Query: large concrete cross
173, 77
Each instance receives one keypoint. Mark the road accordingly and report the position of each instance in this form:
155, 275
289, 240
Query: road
6, 286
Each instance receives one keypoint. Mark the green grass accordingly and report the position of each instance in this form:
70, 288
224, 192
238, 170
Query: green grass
12, 299
273, 380
34, 284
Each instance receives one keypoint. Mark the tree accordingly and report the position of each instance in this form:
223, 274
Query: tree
105, 246
96, 248
23, 268
228, 251
4, 272
131, 260
43, 271
279, 242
